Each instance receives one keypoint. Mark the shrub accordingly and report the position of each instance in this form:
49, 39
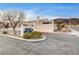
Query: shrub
5, 32
32, 35
66, 30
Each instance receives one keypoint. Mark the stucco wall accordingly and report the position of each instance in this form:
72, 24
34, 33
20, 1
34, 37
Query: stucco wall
44, 27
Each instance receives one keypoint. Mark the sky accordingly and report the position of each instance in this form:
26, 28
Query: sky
45, 10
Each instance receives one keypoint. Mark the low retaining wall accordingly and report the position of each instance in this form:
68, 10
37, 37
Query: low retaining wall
31, 40
44, 27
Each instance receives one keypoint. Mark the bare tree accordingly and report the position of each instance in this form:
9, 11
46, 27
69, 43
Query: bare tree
14, 17
6, 25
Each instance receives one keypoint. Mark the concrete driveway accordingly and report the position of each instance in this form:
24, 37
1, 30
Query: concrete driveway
56, 44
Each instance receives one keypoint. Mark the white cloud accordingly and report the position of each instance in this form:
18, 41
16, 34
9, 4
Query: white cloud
31, 15
1, 13
50, 17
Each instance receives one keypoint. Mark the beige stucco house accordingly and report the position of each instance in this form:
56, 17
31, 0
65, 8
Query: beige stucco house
42, 25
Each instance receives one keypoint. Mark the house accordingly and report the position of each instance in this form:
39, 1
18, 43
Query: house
41, 25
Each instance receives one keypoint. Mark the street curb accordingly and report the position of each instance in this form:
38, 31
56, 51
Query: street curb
31, 40
76, 33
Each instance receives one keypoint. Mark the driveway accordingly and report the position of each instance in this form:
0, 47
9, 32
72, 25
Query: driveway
56, 44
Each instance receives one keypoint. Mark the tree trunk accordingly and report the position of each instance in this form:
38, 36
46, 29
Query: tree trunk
14, 31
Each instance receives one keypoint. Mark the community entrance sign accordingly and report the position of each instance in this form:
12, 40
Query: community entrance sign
28, 30
25, 29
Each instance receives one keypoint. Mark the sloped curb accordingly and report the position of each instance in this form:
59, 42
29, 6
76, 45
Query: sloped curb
31, 40
74, 33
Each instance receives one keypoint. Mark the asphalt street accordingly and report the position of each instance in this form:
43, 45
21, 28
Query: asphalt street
56, 44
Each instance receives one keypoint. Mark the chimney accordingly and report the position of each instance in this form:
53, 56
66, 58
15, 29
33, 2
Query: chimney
38, 18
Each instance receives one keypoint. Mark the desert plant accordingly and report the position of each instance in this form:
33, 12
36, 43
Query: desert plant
32, 35
66, 30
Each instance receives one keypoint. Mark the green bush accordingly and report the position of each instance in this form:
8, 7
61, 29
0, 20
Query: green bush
66, 30
32, 35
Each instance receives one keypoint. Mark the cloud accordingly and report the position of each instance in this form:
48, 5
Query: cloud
49, 17
56, 8
1, 13
32, 15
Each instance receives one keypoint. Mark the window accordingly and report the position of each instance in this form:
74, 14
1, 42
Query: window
25, 24
47, 22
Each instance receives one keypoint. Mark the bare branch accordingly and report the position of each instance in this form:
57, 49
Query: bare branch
14, 17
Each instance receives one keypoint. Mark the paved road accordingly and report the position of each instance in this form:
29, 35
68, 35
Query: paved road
56, 44
75, 28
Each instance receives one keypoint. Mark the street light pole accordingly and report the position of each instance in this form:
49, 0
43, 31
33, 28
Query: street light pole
69, 23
